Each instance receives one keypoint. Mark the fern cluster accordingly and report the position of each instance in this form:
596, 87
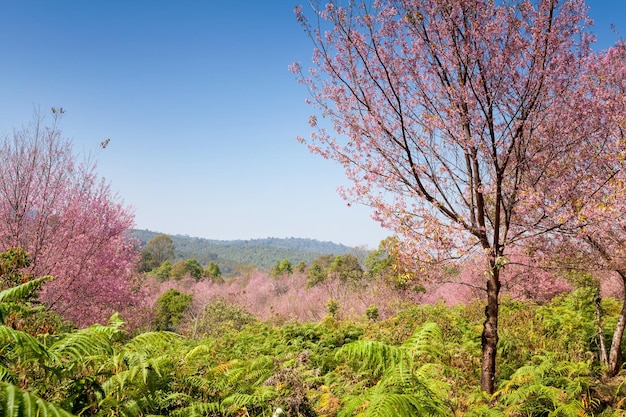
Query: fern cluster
422, 362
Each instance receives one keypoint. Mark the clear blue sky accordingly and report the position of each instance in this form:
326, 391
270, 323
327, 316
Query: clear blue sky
200, 108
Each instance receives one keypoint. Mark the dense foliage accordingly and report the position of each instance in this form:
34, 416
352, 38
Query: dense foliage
420, 361
454, 139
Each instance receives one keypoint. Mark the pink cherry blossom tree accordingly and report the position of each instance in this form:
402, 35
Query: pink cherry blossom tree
69, 222
439, 109
583, 195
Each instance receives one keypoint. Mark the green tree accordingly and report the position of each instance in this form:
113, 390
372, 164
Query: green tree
282, 267
220, 316
189, 267
301, 266
193, 268
170, 309
318, 272
162, 272
147, 263
213, 272
379, 264
316, 275
160, 248
178, 269
346, 268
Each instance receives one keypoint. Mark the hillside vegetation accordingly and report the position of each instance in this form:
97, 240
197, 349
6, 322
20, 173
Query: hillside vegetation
260, 253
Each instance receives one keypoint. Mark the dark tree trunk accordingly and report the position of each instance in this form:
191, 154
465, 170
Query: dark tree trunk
490, 333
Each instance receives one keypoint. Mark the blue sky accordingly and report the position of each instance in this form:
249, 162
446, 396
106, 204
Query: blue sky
200, 108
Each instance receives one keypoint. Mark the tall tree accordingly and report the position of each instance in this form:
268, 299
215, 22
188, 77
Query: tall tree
68, 221
213, 272
346, 268
161, 248
439, 109
583, 194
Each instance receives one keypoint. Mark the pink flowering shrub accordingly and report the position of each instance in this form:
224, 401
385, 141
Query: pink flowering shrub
287, 297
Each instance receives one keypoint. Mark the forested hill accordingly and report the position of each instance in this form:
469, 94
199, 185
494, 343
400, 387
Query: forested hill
262, 253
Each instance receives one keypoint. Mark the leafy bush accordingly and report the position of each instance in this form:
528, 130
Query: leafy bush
220, 316
170, 309
371, 313
162, 272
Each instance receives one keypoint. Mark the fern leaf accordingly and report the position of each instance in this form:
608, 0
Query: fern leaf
23, 291
260, 396
6, 375
153, 342
571, 409
197, 382
200, 350
22, 345
426, 340
7, 308
374, 355
15, 402
198, 410
81, 344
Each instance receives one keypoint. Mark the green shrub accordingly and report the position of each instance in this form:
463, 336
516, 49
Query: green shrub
162, 272
220, 316
371, 313
170, 309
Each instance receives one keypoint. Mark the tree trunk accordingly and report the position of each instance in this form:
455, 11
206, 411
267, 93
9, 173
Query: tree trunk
601, 345
615, 354
490, 332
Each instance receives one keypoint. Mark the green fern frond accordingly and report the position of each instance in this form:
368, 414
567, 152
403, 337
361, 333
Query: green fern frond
260, 396
173, 400
374, 355
117, 382
426, 340
391, 405
571, 409
10, 298
199, 410
198, 382
131, 408
407, 386
201, 350
258, 370
6, 375
21, 345
549, 386
150, 343
8, 308
23, 291
115, 321
144, 375
15, 402
78, 345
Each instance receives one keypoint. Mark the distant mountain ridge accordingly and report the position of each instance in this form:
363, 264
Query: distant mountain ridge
261, 253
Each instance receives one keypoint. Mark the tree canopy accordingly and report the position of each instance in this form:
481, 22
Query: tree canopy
68, 221
447, 114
